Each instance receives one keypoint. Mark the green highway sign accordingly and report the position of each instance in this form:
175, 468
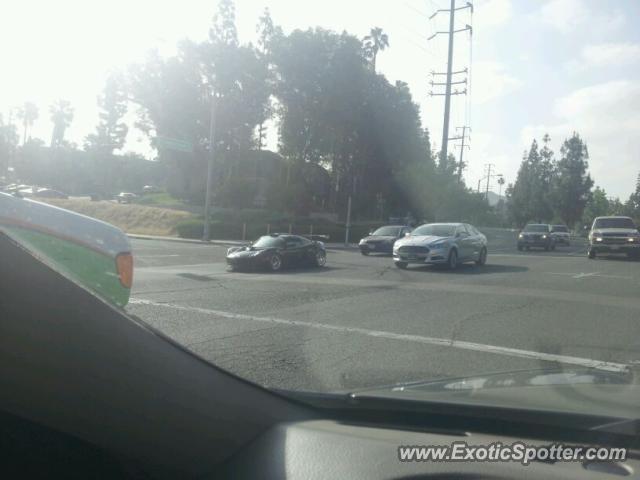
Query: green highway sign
176, 144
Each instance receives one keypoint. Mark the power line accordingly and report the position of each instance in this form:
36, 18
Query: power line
449, 74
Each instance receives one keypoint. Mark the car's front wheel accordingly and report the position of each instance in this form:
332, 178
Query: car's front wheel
452, 262
275, 263
482, 258
591, 254
320, 258
401, 265
364, 252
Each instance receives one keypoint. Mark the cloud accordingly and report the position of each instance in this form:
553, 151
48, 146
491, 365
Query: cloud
492, 13
491, 80
610, 54
566, 16
607, 116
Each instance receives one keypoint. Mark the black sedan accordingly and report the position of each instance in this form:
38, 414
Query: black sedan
382, 239
276, 251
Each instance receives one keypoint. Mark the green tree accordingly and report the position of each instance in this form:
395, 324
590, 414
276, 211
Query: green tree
573, 183
375, 42
597, 205
61, 114
111, 132
529, 197
634, 200
8, 144
28, 113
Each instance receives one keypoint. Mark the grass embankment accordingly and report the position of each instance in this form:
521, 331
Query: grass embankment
131, 218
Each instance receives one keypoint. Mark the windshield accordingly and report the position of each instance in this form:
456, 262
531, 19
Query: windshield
194, 128
437, 230
268, 242
614, 223
536, 228
387, 231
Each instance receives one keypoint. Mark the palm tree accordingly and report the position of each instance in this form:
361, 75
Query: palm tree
501, 182
61, 116
375, 42
28, 113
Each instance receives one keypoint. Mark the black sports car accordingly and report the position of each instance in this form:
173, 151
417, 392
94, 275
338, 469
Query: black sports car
276, 251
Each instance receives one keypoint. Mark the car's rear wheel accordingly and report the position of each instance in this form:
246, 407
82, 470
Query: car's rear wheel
553, 247
275, 262
401, 265
482, 258
320, 258
591, 254
364, 252
452, 262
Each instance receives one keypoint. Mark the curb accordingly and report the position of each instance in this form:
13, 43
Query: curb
231, 243
185, 240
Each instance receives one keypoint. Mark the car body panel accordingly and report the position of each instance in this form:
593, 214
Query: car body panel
541, 239
614, 239
433, 249
81, 248
382, 243
560, 234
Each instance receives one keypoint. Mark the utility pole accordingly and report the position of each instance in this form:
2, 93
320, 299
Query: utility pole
212, 142
449, 74
461, 164
447, 98
489, 166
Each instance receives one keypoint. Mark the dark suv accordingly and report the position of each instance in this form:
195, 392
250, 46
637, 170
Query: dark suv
536, 235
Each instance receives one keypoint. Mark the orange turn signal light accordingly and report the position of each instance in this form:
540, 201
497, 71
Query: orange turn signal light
124, 265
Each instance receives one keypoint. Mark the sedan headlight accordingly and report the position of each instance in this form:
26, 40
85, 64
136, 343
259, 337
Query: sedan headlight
521, 236
632, 239
544, 236
598, 239
438, 246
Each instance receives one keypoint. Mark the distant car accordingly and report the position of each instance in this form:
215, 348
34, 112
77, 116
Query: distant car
277, 251
126, 197
150, 189
614, 235
536, 235
382, 239
49, 193
441, 243
561, 234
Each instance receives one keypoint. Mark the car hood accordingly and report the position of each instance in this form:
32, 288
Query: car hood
615, 231
245, 251
420, 240
379, 238
586, 390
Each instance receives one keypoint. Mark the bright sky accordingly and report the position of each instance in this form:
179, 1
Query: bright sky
536, 66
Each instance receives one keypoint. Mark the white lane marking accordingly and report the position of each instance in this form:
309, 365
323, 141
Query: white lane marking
158, 256
583, 275
595, 274
442, 342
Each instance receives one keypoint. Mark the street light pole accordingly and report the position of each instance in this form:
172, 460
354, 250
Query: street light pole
207, 198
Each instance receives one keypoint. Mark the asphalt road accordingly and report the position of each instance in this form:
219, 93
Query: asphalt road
360, 322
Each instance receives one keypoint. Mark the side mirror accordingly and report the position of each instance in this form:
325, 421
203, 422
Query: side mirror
407, 234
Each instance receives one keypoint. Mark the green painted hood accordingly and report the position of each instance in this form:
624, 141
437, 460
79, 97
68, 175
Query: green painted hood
81, 248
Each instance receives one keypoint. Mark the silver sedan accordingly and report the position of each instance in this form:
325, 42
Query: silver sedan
441, 243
